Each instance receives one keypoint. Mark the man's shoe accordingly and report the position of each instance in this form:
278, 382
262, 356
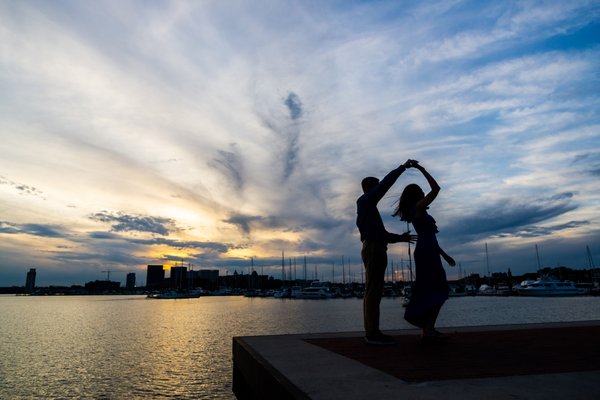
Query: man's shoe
380, 340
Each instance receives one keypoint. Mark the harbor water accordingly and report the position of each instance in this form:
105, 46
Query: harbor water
129, 347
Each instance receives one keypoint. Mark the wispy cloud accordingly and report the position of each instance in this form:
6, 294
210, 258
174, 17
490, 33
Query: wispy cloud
231, 166
22, 188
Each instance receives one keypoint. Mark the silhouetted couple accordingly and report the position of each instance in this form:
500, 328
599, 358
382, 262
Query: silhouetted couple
430, 290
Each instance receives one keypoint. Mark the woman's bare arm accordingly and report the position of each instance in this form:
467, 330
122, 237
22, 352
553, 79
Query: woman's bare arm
429, 197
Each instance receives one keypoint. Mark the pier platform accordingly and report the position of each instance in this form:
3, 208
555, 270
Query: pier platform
532, 361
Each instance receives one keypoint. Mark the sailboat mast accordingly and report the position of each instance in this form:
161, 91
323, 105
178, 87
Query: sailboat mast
589, 257
304, 269
282, 269
487, 260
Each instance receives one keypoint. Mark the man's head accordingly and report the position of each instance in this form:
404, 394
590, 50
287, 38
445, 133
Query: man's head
369, 183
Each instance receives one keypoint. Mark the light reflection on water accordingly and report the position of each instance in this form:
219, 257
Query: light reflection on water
114, 347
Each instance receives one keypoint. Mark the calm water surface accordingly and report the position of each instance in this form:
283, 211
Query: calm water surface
117, 347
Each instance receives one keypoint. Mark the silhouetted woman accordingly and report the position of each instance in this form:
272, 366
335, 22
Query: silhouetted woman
430, 290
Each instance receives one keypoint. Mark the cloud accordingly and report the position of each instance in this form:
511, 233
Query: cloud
101, 258
292, 134
122, 222
540, 231
103, 236
245, 222
510, 217
183, 244
294, 106
230, 164
589, 161
48, 231
22, 188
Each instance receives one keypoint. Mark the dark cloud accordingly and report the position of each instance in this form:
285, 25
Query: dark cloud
244, 222
562, 196
536, 231
288, 133
507, 217
103, 236
179, 244
590, 162
294, 106
139, 223
285, 223
292, 134
297, 223
291, 158
229, 163
50, 231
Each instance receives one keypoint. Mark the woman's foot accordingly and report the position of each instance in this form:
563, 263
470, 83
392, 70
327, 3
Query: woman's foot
434, 335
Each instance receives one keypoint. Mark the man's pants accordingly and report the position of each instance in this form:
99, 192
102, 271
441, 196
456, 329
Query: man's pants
374, 255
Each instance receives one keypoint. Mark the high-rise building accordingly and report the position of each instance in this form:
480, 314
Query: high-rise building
155, 277
30, 282
130, 283
206, 278
209, 275
179, 277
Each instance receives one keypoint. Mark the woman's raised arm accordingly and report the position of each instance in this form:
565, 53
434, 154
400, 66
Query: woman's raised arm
429, 197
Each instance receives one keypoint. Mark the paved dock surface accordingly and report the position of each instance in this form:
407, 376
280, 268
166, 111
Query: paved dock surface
534, 361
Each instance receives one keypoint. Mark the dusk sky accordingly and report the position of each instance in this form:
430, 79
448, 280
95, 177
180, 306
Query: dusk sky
210, 132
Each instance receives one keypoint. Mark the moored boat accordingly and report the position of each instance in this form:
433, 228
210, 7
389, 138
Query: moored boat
313, 292
548, 287
174, 294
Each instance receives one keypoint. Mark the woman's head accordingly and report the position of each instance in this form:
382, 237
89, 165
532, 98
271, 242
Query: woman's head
409, 198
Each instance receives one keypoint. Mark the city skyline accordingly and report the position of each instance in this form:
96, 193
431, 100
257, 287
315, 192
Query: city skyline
210, 133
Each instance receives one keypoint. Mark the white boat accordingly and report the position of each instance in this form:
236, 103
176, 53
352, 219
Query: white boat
316, 290
313, 292
486, 290
174, 294
503, 290
548, 287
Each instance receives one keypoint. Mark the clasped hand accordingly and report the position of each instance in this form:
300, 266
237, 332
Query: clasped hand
411, 163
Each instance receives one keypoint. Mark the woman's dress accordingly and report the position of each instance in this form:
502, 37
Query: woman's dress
431, 287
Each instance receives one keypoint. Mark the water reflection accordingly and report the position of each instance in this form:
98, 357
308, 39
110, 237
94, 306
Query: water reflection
130, 347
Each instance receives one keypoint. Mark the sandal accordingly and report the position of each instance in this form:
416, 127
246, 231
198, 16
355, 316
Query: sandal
435, 336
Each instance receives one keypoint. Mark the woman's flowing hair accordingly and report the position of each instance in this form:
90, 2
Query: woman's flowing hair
408, 200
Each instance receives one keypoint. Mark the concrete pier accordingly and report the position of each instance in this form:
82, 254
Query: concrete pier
533, 361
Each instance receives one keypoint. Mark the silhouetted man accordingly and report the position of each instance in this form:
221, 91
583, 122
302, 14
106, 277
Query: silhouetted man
375, 239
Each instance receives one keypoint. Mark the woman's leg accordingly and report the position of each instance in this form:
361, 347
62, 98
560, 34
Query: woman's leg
430, 319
